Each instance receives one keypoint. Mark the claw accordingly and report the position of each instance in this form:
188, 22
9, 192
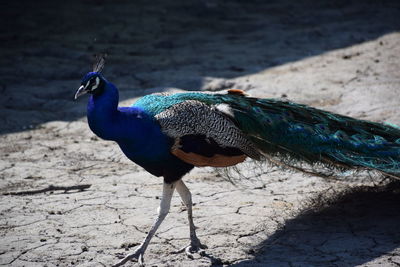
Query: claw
137, 254
194, 247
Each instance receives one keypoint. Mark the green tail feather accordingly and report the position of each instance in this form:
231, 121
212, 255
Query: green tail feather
294, 133
303, 133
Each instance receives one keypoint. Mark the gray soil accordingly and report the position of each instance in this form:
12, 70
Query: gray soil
341, 56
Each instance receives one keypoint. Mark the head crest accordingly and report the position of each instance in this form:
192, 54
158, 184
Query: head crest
99, 61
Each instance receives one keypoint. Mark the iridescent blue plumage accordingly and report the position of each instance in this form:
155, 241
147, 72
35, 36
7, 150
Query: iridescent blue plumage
156, 103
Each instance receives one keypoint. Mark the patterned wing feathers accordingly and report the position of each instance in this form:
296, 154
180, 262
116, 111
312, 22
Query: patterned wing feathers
194, 124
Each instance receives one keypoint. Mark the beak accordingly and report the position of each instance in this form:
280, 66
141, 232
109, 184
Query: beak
79, 92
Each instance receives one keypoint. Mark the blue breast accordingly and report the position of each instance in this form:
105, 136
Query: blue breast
142, 141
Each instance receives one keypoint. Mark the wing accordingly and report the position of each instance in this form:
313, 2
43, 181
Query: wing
204, 135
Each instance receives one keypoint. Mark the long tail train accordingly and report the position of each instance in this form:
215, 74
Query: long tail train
288, 133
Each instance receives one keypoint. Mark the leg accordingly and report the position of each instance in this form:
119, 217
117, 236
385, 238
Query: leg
168, 190
186, 196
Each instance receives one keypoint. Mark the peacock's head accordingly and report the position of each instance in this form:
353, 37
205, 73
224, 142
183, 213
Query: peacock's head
93, 82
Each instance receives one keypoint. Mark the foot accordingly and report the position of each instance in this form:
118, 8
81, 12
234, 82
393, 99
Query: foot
137, 254
195, 246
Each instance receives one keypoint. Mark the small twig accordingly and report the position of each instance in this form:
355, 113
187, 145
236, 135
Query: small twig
50, 188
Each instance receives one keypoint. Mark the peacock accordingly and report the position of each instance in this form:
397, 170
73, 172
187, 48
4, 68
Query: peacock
168, 134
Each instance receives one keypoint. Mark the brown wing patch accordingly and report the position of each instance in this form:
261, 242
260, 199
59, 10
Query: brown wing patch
236, 92
216, 160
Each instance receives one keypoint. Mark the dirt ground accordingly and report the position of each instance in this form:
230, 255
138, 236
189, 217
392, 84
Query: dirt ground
342, 56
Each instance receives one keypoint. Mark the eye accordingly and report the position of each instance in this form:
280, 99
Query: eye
94, 83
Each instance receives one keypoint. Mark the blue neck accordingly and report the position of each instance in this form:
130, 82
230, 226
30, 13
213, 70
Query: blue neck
129, 126
102, 112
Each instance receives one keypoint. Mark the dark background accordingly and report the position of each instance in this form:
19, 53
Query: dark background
47, 46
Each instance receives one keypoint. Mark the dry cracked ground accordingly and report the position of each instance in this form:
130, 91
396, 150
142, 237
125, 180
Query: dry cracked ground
70, 199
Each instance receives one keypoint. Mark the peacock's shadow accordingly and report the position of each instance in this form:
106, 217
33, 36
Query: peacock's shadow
356, 228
